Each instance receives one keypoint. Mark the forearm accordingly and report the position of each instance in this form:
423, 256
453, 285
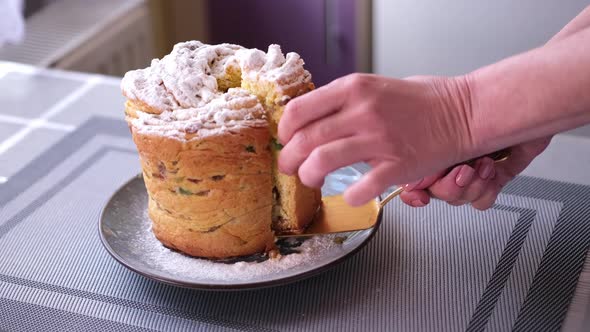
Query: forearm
579, 23
535, 94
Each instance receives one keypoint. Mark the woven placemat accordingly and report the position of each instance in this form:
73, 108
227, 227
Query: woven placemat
514, 267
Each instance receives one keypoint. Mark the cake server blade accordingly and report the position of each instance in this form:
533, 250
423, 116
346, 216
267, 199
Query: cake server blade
336, 216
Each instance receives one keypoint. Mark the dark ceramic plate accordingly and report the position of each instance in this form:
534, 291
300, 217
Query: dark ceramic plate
125, 231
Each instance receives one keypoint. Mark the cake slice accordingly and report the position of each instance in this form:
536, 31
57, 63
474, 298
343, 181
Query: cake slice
278, 81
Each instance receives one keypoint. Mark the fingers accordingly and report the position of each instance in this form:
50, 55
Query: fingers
488, 198
424, 182
310, 107
332, 156
371, 185
309, 138
446, 188
462, 185
415, 198
481, 181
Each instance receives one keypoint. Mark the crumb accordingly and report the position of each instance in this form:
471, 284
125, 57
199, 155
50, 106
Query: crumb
340, 239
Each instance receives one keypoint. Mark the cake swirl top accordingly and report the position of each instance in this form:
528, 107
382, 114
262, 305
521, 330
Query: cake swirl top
182, 91
234, 109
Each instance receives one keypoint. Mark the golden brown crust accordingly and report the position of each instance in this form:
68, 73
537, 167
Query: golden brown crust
242, 236
211, 196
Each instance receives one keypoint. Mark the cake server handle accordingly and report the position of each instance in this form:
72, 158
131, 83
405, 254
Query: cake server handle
497, 156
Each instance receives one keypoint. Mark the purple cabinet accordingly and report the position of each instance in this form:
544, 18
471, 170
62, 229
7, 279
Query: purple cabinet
322, 31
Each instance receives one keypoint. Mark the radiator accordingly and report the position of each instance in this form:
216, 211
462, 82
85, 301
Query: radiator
107, 37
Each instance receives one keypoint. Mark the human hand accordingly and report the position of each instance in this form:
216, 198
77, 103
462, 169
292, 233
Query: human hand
481, 184
404, 129
478, 185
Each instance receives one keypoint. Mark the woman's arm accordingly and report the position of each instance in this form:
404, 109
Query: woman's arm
476, 184
535, 94
579, 23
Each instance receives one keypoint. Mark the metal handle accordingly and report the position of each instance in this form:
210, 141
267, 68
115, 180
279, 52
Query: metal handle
497, 156
391, 196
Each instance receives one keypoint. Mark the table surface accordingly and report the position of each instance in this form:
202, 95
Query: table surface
64, 149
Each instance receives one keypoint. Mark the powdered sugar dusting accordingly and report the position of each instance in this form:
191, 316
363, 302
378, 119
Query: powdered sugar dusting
146, 85
273, 67
177, 264
232, 110
185, 84
187, 77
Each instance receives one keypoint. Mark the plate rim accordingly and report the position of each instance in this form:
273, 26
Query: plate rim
229, 287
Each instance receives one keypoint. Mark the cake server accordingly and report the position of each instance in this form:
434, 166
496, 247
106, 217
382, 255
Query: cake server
336, 216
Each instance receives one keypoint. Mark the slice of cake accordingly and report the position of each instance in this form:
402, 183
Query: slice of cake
275, 81
204, 119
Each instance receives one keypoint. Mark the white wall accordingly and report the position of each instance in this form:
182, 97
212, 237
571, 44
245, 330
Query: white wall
439, 37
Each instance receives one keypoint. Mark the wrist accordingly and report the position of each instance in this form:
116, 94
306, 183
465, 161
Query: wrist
483, 127
460, 113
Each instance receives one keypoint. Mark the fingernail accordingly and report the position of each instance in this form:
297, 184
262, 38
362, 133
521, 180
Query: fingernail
418, 203
412, 185
485, 169
465, 176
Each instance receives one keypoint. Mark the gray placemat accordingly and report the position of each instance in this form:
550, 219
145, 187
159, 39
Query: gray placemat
514, 267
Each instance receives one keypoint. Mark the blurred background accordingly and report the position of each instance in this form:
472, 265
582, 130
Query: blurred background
335, 37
